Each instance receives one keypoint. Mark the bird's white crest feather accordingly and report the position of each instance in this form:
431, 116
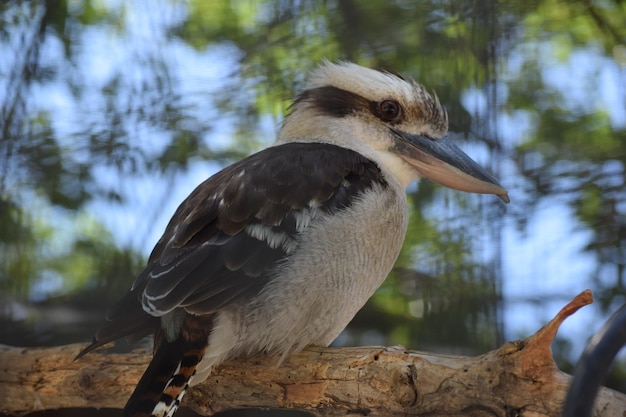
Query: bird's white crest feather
366, 82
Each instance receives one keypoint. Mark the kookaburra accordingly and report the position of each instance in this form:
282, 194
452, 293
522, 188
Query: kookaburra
281, 249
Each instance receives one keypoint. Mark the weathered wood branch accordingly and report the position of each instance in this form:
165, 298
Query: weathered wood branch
518, 379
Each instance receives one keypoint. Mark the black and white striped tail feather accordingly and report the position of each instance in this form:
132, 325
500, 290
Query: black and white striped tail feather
166, 380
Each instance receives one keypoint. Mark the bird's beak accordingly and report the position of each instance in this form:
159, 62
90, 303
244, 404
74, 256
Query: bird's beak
443, 162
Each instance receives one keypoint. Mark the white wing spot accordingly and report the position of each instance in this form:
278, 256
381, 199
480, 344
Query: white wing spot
305, 216
314, 204
273, 239
303, 219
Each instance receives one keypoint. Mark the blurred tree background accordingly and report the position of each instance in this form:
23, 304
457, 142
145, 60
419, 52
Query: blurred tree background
111, 112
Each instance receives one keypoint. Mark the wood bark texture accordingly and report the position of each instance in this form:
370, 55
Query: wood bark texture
518, 379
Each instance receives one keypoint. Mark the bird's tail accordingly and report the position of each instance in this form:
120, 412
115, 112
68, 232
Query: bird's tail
165, 382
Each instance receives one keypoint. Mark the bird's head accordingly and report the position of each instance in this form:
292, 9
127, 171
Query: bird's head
395, 122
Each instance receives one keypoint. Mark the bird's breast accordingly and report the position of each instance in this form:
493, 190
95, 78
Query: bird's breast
340, 262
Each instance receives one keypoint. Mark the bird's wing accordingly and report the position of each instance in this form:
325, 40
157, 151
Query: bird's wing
227, 236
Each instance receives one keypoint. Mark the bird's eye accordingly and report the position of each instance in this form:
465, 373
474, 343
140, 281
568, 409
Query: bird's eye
389, 110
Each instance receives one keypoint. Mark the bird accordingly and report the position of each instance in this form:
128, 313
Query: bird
281, 249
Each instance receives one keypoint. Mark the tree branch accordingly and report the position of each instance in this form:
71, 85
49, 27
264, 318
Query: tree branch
518, 379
